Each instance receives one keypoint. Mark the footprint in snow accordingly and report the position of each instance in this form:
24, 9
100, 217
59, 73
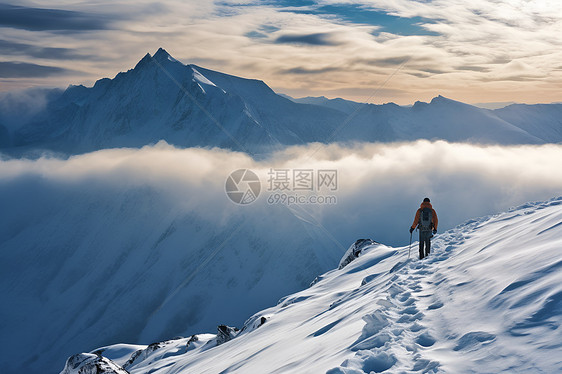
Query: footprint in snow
404, 296
397, 331
395, 290
377, 362
387, 303
425, 339
410, 310
416, 327
416, 288
372, 342
408, 301
407, 318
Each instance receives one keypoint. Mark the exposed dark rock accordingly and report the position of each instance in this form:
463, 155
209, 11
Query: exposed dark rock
132, 359
316, 280
226, 333
89, 363
253, 323
142, 354
355, 250
191, 340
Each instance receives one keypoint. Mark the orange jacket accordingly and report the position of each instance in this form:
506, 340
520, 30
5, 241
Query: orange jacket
417, 219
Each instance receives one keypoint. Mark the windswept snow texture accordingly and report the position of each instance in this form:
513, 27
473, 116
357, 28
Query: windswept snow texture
487, 300
187, 105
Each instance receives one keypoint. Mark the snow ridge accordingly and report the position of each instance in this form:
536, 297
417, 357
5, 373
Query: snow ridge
487, 299
405, 335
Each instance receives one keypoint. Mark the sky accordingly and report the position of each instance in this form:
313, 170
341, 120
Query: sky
369, 51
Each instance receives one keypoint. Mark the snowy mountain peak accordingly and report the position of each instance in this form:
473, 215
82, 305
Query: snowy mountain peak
162, 55
143, 61
439, 99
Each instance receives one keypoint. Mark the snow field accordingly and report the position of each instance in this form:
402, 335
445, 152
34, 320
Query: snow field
488, 299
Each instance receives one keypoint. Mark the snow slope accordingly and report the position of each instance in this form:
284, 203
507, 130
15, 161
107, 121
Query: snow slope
542, 120
487, 300
92, 262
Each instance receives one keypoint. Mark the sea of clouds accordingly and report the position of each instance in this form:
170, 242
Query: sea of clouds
379, 186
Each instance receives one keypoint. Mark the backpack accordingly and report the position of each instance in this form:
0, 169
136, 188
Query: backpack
426, 219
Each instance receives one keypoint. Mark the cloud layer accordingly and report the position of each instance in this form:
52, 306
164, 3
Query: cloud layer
484, 51
379, 185
45, 19
10, 69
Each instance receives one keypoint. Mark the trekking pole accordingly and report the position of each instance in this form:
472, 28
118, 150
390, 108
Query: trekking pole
410, 246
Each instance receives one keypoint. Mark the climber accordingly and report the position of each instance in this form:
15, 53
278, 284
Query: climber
426, 221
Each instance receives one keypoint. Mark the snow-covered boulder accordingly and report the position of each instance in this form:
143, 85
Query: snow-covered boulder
355, 250
88, 363
254, 322
226, 333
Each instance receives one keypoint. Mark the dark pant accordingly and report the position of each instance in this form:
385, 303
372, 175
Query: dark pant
425, 240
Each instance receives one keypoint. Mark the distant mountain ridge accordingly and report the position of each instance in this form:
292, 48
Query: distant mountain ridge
163, 99
543, 122
187, 105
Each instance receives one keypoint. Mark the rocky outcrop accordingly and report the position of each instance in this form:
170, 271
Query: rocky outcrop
226, 333
355, 250
88, 363
142, 354
193, 339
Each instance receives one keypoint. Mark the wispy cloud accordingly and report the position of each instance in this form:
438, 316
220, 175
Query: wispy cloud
48, 19
14, 69
308, 39
305, 71
50, 53
462, 51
